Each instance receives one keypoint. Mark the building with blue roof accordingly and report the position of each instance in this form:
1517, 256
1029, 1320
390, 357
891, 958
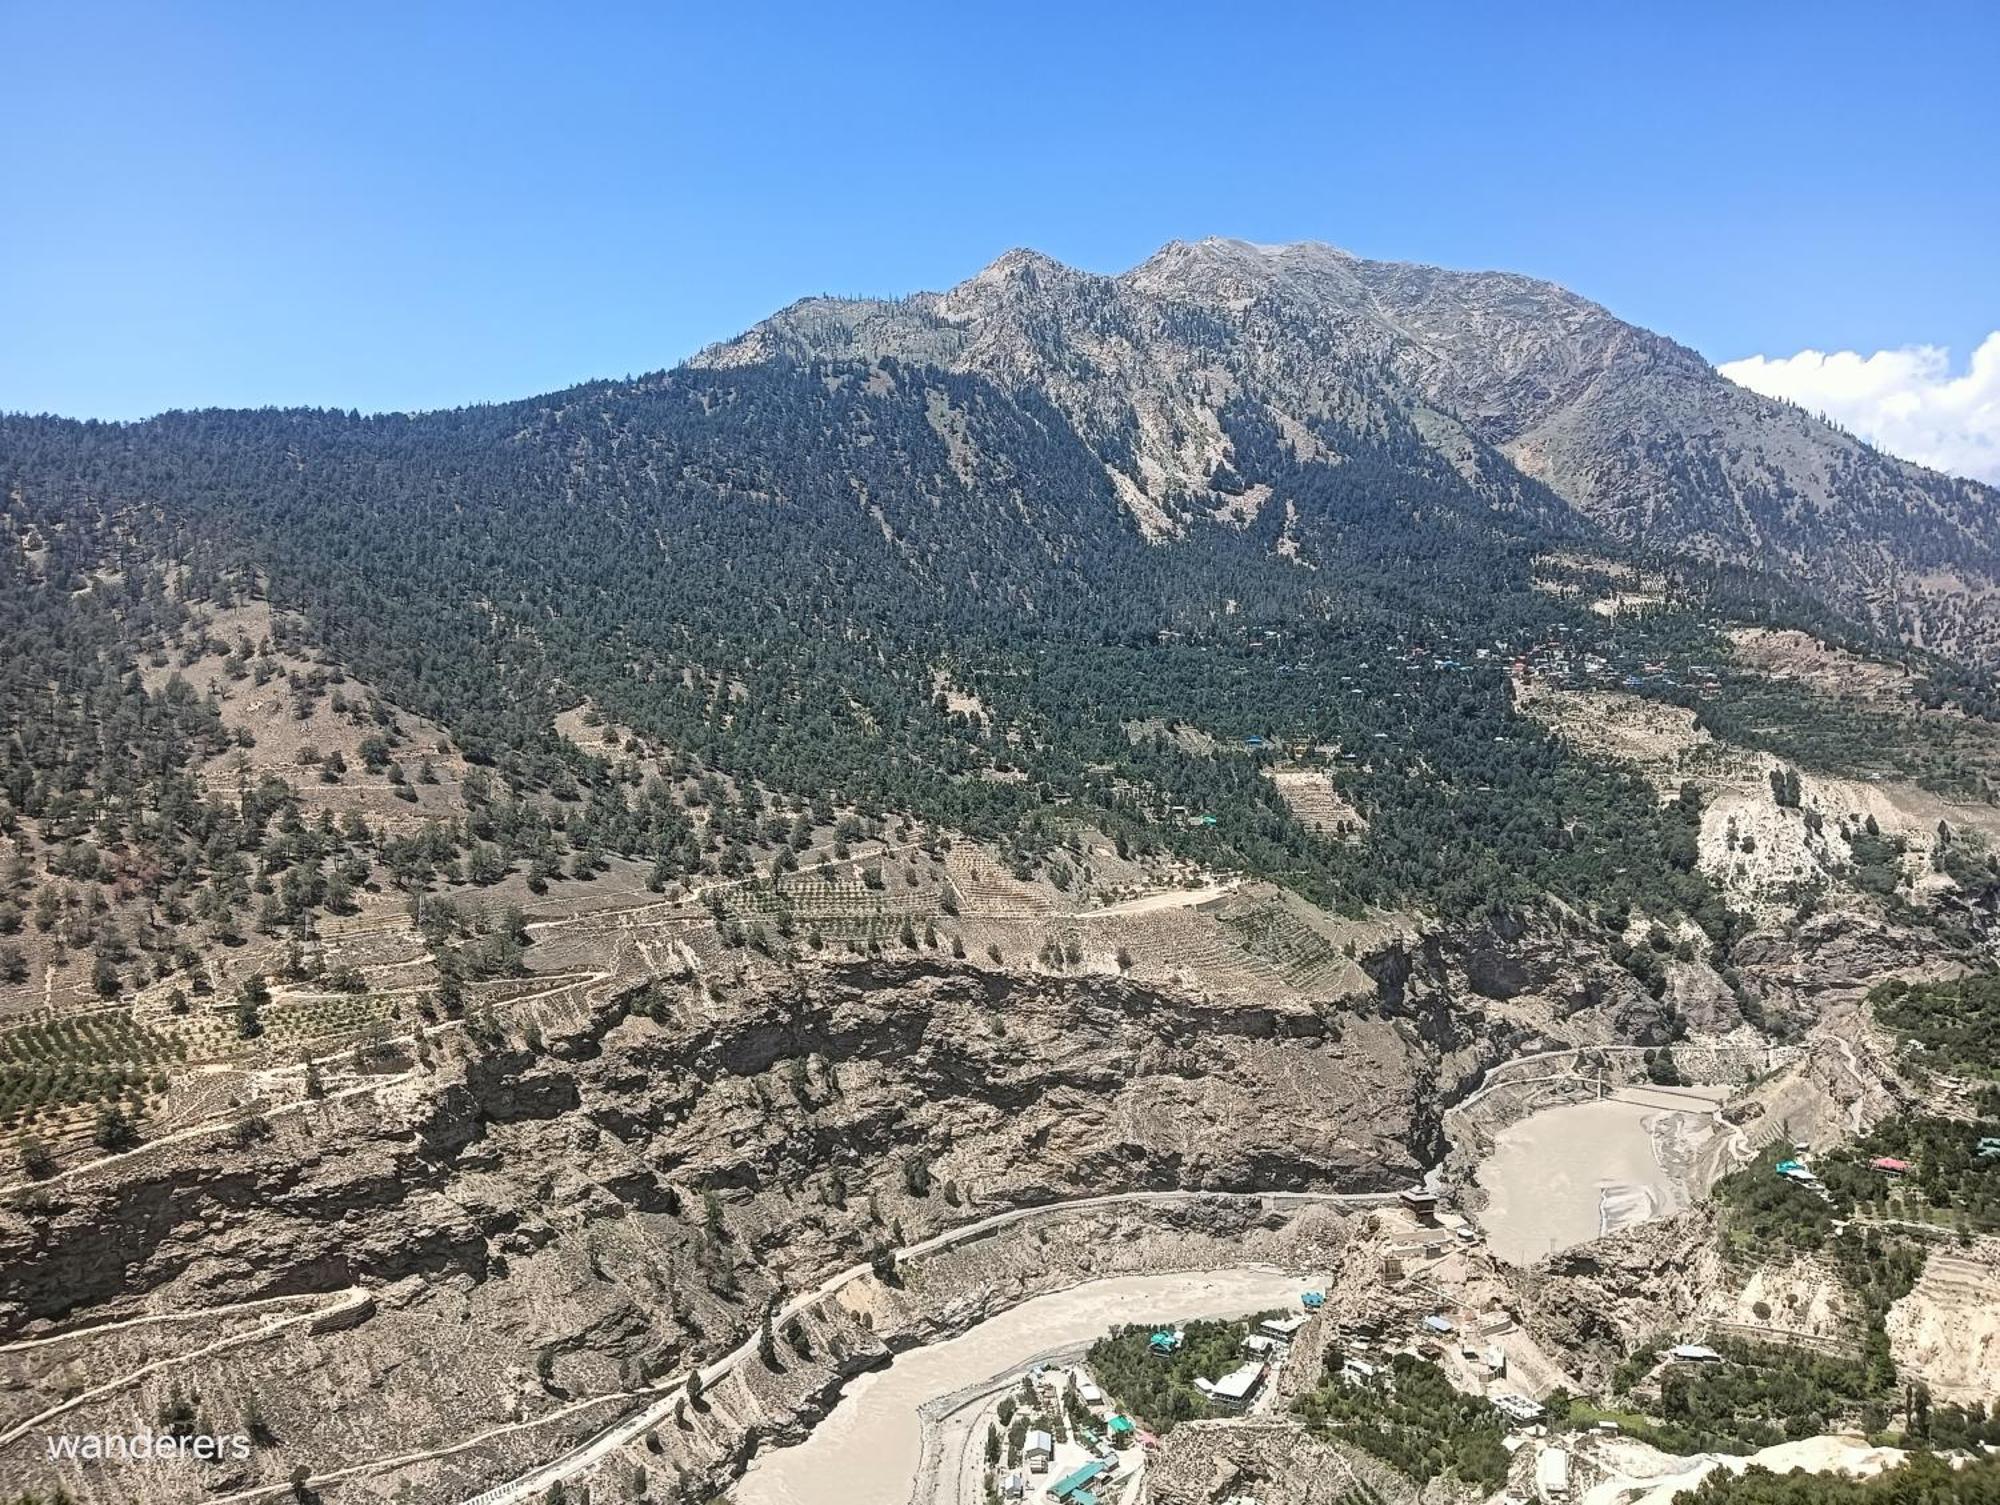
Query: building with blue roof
1074, 1488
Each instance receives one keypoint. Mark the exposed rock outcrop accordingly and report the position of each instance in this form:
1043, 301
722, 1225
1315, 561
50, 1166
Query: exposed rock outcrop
535, 1227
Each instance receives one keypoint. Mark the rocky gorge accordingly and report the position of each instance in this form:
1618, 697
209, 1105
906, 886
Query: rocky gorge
582, 1204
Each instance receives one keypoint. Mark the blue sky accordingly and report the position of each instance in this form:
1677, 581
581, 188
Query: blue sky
412, 205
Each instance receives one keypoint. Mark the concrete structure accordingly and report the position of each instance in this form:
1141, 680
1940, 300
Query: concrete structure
1517, 1408
1235, 1388
1038, 1451
1552, 1474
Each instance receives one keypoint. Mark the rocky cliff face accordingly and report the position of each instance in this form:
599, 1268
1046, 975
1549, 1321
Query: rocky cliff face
926, 1090
1511, 380
817, 1114
536, 1225
1598, 1302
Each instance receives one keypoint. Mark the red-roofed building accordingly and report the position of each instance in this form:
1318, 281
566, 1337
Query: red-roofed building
1889, 1165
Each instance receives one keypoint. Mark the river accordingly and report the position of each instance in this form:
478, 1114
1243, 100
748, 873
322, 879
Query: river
867, 1450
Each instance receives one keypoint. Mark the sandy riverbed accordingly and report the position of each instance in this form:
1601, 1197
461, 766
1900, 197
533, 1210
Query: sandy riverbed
1564, 1176
867, 1451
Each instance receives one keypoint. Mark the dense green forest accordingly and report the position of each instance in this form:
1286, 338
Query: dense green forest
1955, 1025
769, 569
1157, 1390
1763, 1394
1411, 1417
1757, 1395
1948, 1181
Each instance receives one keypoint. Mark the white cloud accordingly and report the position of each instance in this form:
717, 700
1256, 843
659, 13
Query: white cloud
1905, 401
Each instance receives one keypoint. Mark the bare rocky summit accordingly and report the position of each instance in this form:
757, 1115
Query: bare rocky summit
1513, 380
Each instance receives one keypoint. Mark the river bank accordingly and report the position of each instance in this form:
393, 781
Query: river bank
867, 1450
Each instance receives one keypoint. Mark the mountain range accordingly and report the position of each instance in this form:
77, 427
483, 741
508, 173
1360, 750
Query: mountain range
1640, 435
514, 915
1088, 502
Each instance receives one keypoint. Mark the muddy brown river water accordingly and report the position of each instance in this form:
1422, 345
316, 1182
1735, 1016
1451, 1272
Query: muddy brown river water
867, 1450
1564, 1176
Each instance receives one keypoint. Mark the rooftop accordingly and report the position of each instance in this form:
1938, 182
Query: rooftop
1518, 1407
1072, 1484
1238, 1383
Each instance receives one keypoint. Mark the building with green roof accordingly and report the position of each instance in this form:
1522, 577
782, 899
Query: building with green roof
1074, 1488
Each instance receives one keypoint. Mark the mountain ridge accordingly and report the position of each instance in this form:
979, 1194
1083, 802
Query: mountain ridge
1637, 433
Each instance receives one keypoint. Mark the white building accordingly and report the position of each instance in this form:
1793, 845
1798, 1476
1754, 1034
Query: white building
1516, 1407
1552, 1474
1236, 1387
1040, 1448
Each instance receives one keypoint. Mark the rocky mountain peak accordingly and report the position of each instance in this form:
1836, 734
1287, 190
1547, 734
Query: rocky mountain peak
1195, 260
1638, 434
1025, 267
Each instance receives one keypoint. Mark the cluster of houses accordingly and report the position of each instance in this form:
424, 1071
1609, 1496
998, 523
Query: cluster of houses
1080, 1483
1083, 1482
1263, 1350
1077, 1486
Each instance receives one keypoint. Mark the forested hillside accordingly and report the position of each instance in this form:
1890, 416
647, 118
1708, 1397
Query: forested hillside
885, 586
769, 569
1508, 376
623, 855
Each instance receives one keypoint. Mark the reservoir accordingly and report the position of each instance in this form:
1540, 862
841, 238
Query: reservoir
1564, 1176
